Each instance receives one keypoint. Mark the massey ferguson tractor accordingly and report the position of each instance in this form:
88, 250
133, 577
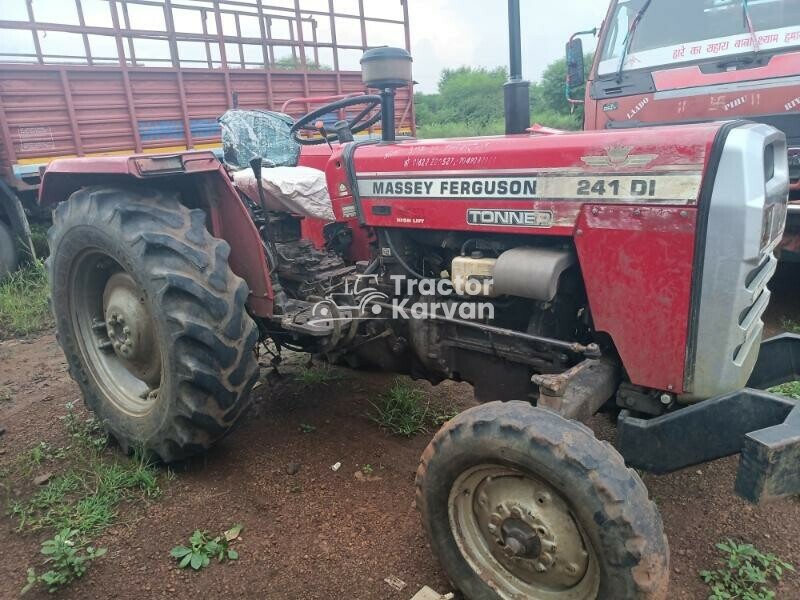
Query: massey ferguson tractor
558, 273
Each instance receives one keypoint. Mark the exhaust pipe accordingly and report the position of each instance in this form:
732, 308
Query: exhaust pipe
517, 91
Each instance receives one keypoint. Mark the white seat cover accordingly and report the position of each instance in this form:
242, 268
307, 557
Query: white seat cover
302, 191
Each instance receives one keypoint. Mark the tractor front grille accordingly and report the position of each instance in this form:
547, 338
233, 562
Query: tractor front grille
746, 219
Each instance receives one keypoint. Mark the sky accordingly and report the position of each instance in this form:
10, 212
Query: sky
444, 33
451, 33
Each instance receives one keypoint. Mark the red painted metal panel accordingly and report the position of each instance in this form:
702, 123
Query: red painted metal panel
637, 265
782, 65
568, 155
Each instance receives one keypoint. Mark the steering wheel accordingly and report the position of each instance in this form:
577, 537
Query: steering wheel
357, 124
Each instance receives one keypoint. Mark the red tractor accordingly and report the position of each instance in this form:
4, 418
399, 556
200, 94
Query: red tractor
557, 273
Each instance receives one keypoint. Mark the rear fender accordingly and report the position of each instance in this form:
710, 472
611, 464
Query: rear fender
202, 182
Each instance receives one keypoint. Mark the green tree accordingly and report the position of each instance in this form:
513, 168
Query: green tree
466, 95
470, 101
293, 63
549, 94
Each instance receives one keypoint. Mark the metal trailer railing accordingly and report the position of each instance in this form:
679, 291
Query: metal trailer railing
99, 77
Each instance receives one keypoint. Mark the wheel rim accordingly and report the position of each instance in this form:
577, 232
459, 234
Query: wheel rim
115, 332
520, 536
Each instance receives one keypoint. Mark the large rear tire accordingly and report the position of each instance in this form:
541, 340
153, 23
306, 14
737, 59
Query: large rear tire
151, 319
9, 251
519, 503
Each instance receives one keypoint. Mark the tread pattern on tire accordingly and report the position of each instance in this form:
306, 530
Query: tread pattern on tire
634, 541
201, 300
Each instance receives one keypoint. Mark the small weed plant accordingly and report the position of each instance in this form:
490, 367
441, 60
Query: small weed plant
443, 416
202, 549
745, 573
791, 389
402, 410
316, 376
66, 560
86, 433
790, 325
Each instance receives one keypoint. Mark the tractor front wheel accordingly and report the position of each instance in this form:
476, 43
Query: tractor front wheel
519, 503
151, 319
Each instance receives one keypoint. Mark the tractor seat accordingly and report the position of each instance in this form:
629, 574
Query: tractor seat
301, 191
249, 134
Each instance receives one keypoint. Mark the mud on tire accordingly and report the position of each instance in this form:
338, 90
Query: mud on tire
197, 319
608, 501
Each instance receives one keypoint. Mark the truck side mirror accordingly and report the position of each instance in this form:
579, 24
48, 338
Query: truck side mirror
575, 68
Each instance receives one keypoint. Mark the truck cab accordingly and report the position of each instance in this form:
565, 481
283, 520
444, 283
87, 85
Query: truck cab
661, 62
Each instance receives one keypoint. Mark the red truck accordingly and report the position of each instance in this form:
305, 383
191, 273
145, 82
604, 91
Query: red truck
663, 62
136, 76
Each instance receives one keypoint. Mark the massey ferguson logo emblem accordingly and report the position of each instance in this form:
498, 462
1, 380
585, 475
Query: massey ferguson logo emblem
620, 157
510, 218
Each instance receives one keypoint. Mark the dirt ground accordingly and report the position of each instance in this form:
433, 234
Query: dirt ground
320, 534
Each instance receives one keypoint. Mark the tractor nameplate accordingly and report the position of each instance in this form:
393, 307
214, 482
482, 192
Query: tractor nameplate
647, 188
510, 218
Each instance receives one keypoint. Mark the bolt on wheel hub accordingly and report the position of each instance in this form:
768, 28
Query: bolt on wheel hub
520, 535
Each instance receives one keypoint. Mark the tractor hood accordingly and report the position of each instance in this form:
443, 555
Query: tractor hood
517, 183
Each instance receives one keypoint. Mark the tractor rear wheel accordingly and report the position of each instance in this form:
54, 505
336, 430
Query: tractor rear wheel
151, 319
9, 251
520, 503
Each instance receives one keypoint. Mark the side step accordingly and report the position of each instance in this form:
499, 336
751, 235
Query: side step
763, 427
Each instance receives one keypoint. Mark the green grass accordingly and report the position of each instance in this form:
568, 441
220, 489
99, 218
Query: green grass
790, 326
453, 130
23, 302
80, 501
317, 376
444, 415
86, 495
402, 410
39, 239
86, 498
791, 389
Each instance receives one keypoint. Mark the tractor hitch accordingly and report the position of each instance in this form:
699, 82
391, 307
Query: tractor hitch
761, 426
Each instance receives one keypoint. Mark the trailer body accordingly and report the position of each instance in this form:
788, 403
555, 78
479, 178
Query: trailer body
144, 77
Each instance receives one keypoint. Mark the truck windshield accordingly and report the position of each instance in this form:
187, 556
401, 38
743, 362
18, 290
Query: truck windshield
679, 31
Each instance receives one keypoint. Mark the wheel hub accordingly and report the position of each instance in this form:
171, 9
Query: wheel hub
130, 328
520, 540
515, 528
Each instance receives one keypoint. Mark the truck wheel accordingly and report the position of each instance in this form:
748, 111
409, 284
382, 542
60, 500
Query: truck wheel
519, 503
9, 251
151, 319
